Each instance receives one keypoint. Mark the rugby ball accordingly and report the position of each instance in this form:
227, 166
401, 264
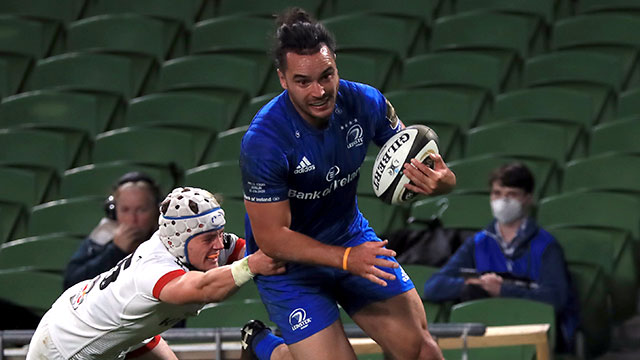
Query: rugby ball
387, 177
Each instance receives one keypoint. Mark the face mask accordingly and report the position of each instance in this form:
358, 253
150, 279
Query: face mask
506, 210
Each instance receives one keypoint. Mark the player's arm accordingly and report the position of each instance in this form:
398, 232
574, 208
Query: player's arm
270, 223
218, 283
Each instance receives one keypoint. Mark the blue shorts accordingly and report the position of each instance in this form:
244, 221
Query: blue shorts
304, 300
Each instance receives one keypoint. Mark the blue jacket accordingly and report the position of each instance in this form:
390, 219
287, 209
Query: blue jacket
537, 257
91, 259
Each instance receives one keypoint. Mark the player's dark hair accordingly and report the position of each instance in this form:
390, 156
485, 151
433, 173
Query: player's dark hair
298, 32
514, 174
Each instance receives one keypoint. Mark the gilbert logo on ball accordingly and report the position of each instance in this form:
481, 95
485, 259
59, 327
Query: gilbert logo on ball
387, 178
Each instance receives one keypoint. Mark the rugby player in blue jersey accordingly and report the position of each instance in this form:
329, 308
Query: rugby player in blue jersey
300, 162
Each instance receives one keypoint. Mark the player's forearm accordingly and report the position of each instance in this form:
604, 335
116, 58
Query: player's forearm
200, 287
292, 246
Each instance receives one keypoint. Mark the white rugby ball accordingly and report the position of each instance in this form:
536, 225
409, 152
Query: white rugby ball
387, 177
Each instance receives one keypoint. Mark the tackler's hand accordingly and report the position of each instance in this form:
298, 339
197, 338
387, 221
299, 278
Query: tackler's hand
427, 181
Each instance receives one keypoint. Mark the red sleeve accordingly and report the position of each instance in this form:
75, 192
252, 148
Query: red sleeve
164, 280
145, 348
237, 254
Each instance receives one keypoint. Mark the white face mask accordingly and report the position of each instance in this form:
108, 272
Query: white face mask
506, 210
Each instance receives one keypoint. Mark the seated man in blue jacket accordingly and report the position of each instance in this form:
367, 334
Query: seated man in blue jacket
511, 257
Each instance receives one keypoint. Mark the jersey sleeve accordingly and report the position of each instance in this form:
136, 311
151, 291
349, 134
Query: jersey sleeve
384, 122
264, 169
158, 272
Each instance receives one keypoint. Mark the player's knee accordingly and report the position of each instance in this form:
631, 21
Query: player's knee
420, 349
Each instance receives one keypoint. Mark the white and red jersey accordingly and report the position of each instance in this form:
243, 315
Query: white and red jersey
117, 311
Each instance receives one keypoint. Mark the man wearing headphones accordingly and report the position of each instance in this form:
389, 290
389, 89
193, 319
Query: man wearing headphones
131, 218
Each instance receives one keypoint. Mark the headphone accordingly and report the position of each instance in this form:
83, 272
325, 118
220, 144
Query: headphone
134, 176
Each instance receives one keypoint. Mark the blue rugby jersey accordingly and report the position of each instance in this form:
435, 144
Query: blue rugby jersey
283, 157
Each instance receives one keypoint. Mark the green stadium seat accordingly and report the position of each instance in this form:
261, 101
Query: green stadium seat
628, 104
98, 179
33, 290
24, 186
518, 139
455, 211
489, 32
592, 6
59, 11
622, 175
612, 251
503, 312
57, 110
424, 11
594, 209
366, 170
39, 253
472, 173
226, 146
382, 217
12, 221
183, 12
251, 109
234, 213
547, 10
265, 8
92, 72
38, 148
170, 148
619, 136
75, 216
595, 323
229, 314
25, 37
220, 178
363, 69
474, 72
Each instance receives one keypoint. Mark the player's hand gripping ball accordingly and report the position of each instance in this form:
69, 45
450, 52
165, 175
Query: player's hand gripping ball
387, 178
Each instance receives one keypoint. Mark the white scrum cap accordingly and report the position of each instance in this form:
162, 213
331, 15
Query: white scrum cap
185, 213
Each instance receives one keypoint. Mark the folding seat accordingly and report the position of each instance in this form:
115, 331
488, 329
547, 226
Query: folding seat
611, 34
501, 311
472, 72
618, 136
170, 148
622, 175
571, 110
23, 186
518, 139
594, 209
249, 110
382, 217
363, 69
12, 221
107, 74
33, 290
490, 32
235, 212
226, 146
265, 8
455, 211
182, 12
421, 10
613, 252
75, 216
628, 104
220, 178
229, 314
472, 173
60, 11
40, 253
57, 110
98, 179
595, 6
547, 10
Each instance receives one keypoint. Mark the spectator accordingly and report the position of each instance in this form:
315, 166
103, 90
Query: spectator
511, 257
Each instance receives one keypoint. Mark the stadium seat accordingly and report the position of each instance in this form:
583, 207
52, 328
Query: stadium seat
455, 211
628, 104
592, 6
382, 217
229, 314
12, 221
622, 175
472, 173
246, 114
595, 323
39, 253
23, 186
75, 216
489, 32
33, 290
38, 148
25, 37
234, 213
421, 10
363, 69
170, 148
618, 136
571, 110
57, 110
594, 209
220, 178
226, 146
518, 139
366, 170
98, 179
183, 12
501, 312
92, 72
546, 10
419, 274
459, 70
613, 252
265, 8
60, 11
